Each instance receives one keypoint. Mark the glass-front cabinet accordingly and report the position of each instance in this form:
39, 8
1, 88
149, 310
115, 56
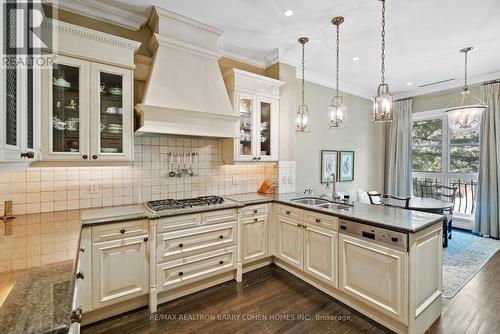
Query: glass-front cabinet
88, 112
255, 100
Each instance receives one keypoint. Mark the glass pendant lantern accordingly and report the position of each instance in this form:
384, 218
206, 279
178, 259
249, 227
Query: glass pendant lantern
337, 108
303, 116
465, 116
383, 103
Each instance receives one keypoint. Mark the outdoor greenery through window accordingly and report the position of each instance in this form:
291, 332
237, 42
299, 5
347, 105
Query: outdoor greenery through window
440, 156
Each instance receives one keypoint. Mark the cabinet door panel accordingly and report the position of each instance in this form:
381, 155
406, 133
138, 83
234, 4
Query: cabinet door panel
111, 115
320, 253
120, 270
255, 238
290, 241
267, 120
374, 275
65, 123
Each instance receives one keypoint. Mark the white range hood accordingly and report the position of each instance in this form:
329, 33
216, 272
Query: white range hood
185, 93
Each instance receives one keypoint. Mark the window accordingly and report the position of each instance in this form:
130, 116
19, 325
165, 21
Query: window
442, 157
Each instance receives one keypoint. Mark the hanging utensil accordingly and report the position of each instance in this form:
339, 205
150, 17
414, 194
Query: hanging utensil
171, 173
179, 173
190, 169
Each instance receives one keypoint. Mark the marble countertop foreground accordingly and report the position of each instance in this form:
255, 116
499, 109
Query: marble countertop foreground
37, 300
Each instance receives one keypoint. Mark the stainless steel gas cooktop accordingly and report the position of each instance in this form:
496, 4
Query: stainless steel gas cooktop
170, 204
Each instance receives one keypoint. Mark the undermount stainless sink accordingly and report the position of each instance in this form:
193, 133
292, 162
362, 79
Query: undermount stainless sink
310, 201
334, 206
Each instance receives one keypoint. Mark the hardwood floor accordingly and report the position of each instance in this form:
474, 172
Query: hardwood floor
272, 292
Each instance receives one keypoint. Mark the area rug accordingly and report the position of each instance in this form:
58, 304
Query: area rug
465, 256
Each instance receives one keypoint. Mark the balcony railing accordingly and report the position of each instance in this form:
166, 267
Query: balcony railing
465, 198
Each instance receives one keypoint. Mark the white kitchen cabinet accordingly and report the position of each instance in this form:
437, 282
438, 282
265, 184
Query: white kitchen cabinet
19, 94
321, 253
255, 100
374, 275
87, 111
119, 270
290, 241
255, 238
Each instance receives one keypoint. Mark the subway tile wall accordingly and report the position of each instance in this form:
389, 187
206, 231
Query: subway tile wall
48, 189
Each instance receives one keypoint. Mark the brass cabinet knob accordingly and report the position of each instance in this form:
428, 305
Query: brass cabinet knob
287, 212
181, 245
94, 157
299, 225
181, 273
259, 158
221, 262
82, 249
221, 237
256, 219
80, 275
85, 156
122, 231
146, 239
255, 211
318, 220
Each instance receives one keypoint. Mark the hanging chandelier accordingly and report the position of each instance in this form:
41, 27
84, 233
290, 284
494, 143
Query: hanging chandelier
383, 110
302, 116
465, 115
337, 107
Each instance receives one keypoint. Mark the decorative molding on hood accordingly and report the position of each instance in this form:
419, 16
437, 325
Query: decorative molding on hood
162, 13
157, 40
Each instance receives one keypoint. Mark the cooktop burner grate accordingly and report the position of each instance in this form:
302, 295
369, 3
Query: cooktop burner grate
170, 204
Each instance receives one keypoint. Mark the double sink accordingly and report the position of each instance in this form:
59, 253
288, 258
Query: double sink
321, 203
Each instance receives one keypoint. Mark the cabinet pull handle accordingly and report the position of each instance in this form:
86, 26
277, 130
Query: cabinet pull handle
181, 273
122, 231
304, 226
255, 211
318, 220
80, 275
146, 239
221, 237
259, 158
94, 157
29, 155
76, 315
181, 245
299, 225
85, 156
287, 212
256, 219
82, 249
221, 262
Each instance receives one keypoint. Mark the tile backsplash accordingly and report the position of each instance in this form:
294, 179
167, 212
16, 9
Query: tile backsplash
47, 189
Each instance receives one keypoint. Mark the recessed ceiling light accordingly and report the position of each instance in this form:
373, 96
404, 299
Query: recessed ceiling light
409, 83
288, 12
355, 58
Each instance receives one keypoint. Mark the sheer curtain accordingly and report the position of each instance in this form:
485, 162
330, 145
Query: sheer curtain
487, 219
398, 151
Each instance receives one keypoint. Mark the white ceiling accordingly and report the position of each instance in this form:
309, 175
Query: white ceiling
423, 37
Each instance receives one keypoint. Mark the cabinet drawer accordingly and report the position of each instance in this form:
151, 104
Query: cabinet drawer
195, 239
190, 269
120, 230
178, 222
254, 210
219, 216
322, 220
290, 212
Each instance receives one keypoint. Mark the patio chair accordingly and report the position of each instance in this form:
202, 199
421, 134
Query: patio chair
389, 201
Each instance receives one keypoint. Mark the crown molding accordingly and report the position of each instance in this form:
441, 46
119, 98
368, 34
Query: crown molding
86, 33
159, 40
479, 79
162, 13
98, 10
272, 58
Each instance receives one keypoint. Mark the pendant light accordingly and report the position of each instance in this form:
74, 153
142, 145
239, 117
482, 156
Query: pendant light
303, 116
383, 110
337, 107
466, 115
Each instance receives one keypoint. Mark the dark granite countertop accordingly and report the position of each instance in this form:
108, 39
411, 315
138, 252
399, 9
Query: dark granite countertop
37, 300
407, 221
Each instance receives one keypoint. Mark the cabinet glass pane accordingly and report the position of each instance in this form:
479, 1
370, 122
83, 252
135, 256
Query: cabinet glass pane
111, 102
265, 128
10, 77
29, 118
246, 124
65, 108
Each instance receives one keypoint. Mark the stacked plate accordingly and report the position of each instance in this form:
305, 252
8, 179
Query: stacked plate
114, 128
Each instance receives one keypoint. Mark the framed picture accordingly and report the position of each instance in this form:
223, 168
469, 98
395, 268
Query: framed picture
328, 164
346, 166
